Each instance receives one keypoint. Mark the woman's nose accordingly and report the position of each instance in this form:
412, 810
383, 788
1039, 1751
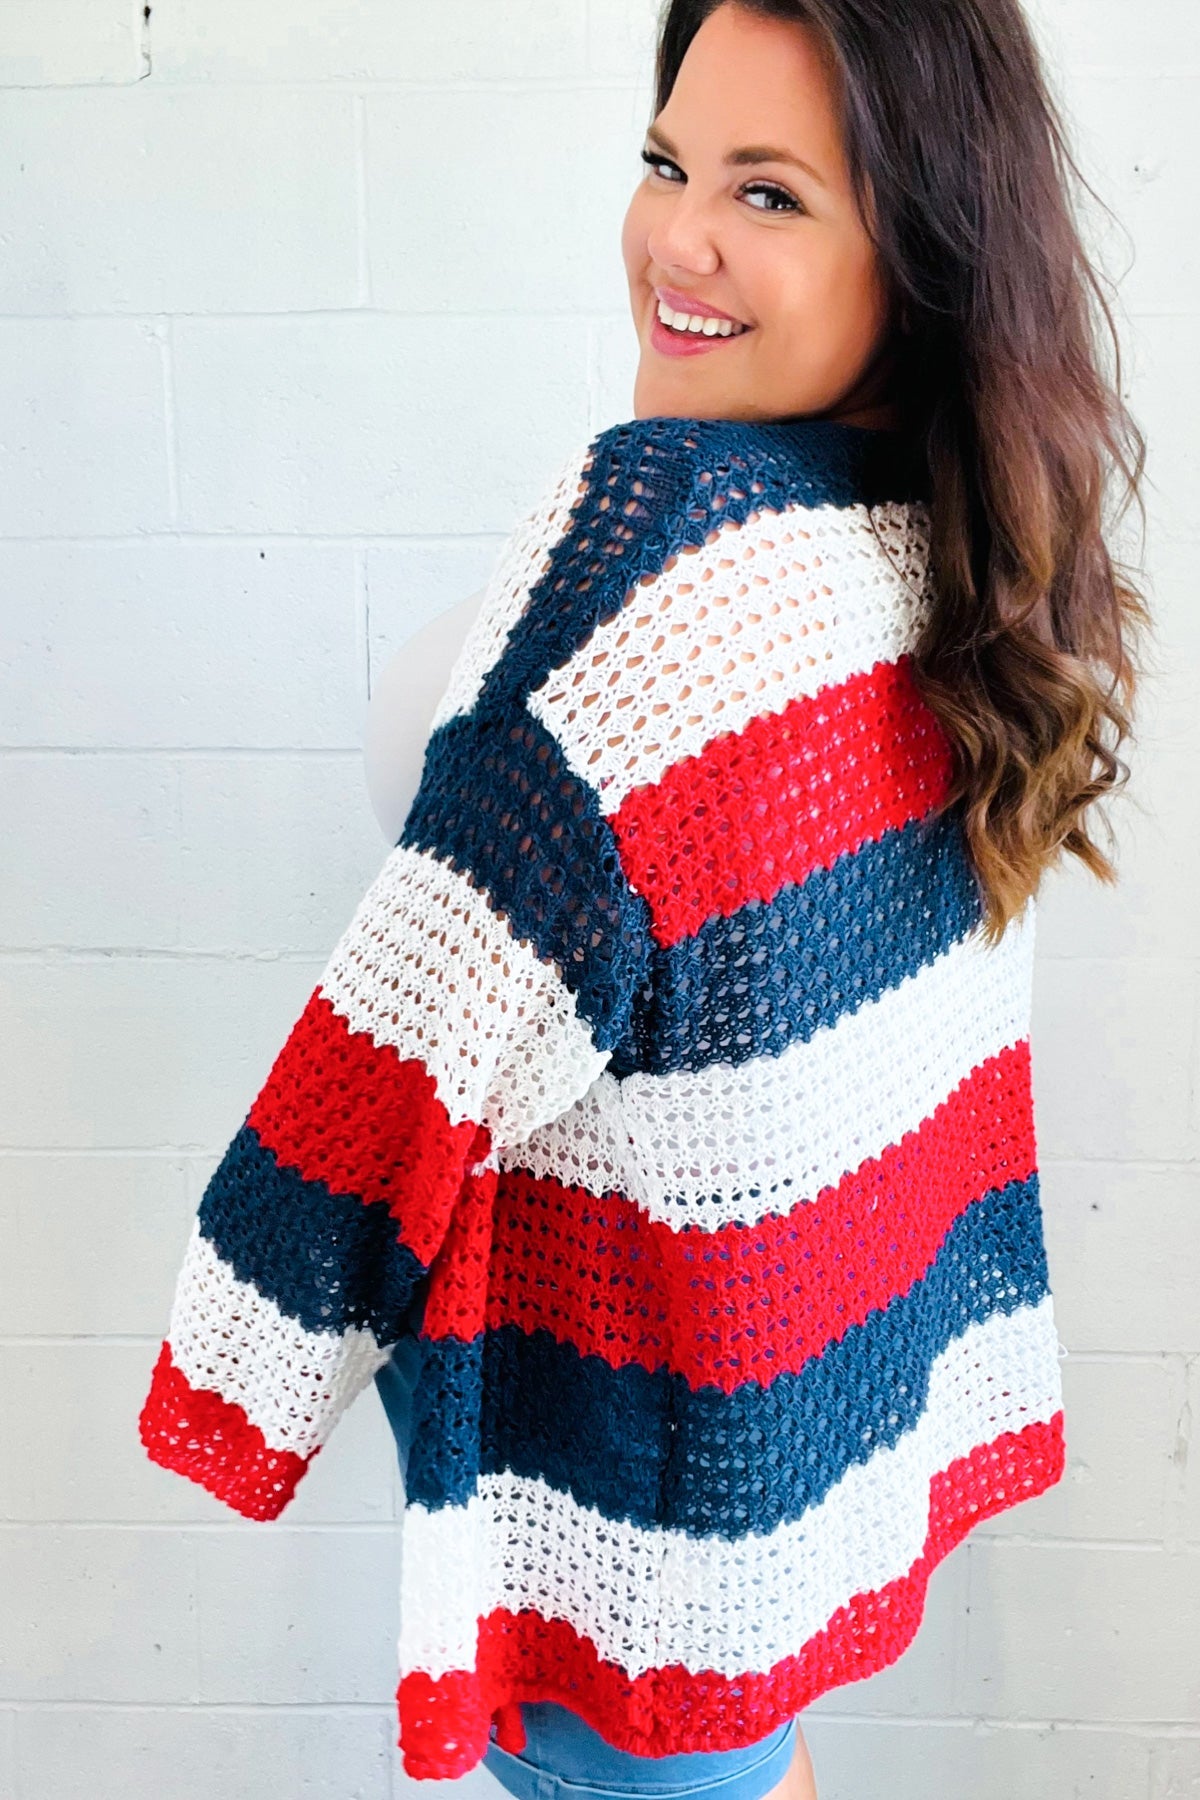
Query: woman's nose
682, 238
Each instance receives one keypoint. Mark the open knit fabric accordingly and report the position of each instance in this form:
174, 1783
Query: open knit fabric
665, 1050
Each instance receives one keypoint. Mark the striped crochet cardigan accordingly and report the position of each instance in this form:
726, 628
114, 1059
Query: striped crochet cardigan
665, 1050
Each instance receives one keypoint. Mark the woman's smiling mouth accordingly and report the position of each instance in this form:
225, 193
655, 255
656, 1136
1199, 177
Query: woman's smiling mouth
684, 327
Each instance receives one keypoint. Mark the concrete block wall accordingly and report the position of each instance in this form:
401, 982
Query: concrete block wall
299, 304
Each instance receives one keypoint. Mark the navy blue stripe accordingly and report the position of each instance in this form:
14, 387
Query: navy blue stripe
776, 971
326, 1260
659, 484
647, 1448
499, 803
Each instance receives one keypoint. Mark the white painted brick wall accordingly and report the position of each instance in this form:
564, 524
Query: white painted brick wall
300, 301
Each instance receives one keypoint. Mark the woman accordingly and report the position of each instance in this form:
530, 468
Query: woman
659, 1136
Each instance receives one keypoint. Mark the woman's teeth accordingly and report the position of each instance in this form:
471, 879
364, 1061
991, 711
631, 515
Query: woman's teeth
679, 321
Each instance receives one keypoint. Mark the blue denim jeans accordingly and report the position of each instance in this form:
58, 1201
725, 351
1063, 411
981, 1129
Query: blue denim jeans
564, 1757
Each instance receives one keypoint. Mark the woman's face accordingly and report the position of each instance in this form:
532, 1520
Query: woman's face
777, 247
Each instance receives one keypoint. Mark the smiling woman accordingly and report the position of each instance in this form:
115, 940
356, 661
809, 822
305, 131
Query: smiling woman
660, 1134
785, 253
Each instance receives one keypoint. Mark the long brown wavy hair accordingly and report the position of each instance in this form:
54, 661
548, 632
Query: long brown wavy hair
963, 176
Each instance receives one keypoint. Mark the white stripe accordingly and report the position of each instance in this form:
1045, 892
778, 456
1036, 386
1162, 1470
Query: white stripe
769, 612
648, 1597
731, 1143
521, 564
227, 1337
427, 967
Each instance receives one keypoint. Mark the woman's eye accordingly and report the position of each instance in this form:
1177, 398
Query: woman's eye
656, 162
789, 203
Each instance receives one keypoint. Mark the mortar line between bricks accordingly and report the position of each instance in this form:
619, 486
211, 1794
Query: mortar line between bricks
1002, 1722
500, 315
1174, 1536
181, 752
249, 1708
515, 86
175, 776
1147, 1163
193, 1527
164, 1152
1193, 1079
246, 540
143, 11
194, 1607
170, 415
363, 244
963, 1626
362, 620
15, 1741
65, 957
592, 376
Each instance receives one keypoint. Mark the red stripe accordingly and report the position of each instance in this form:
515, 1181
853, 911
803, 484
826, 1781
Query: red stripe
762, 807
339, 1108
744, 1302
443, 1723
457, 1294
196, 1433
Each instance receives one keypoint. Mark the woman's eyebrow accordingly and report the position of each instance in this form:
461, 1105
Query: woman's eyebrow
750, 153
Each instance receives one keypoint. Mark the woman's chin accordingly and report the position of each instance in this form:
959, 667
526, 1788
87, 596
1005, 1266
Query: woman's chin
657, 393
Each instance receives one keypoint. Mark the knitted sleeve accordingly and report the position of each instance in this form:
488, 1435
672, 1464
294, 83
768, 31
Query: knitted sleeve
477, 992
